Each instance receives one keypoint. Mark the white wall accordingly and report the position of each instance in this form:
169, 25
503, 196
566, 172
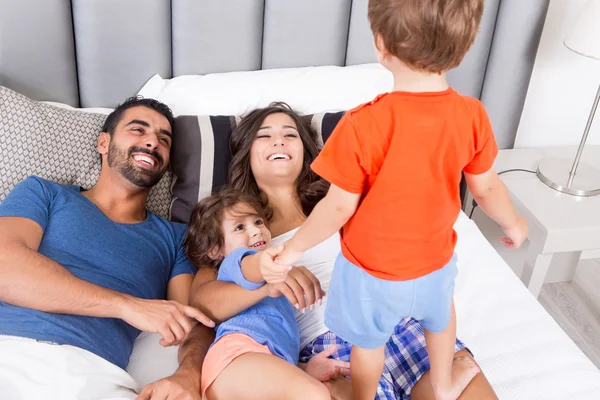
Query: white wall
562, 88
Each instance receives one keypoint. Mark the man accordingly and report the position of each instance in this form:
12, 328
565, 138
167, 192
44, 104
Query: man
80, 271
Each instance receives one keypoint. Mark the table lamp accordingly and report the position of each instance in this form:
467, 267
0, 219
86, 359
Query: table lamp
582, 180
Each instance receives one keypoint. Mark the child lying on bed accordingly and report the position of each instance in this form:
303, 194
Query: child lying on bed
228, 230
395, 165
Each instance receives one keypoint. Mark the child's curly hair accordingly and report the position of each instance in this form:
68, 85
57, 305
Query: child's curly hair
205, 232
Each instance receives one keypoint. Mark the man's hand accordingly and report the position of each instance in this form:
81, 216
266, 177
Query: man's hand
323, 368
172, 320
270, 271
516, 234
301, 288
288, 256
174, 387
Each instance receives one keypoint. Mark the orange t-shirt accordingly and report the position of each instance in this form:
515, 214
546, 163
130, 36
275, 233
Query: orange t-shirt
405, 153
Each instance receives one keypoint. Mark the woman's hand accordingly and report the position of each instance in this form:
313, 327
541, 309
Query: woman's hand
323, 368
301, 288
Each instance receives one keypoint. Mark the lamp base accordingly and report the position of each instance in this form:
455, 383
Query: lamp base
555, 173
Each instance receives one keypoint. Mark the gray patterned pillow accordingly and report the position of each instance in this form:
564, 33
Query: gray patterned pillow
56, 144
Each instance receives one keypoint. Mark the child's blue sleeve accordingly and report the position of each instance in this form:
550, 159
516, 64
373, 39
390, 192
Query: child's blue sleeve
231, 269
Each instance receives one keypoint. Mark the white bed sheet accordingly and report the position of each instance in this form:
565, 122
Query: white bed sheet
521, 349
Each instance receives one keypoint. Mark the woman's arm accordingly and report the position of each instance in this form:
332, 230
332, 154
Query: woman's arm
221, 300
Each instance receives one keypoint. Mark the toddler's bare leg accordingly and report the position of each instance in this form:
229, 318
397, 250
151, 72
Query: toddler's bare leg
447, 379
366, 366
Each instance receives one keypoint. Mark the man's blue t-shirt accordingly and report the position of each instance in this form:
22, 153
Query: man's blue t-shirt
270, 322
137, 259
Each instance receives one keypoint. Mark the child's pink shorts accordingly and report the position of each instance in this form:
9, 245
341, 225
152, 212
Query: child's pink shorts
223, 352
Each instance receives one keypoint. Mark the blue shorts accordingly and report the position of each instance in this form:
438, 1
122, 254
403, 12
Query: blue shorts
363, 310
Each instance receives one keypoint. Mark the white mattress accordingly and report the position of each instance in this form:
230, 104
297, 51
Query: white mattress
522, 350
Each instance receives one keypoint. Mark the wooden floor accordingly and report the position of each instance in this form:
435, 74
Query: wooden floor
576, 307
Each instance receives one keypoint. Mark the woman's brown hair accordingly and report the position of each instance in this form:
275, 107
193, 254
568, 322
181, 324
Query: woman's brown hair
205, 230
310, 188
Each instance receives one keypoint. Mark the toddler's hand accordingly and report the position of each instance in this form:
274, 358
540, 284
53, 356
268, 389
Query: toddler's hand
287, 256
271, 271
515, 235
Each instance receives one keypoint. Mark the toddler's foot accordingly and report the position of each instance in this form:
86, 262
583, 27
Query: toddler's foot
464, 370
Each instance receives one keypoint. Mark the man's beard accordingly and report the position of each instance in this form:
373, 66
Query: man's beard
122, 162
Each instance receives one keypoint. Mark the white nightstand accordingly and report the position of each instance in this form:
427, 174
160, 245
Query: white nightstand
560, 226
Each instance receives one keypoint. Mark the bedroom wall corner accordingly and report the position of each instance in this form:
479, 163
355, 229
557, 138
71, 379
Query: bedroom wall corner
562, 86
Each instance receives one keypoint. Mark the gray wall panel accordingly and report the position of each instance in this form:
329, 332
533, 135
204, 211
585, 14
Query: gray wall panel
512, 56
360, 37
305, 33
37, 55
120, 45
468, 77
238, 46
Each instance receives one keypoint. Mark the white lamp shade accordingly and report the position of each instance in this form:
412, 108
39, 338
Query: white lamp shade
585, 36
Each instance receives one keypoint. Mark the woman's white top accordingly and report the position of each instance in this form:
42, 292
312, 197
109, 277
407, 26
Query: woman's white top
319, 260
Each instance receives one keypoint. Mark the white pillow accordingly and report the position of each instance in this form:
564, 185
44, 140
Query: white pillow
150, 361
308, 90
94, 110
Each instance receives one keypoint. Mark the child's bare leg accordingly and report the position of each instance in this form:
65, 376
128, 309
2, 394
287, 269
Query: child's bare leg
366, 366
258, 376
448, 380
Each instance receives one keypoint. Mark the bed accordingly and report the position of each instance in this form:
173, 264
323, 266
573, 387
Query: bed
208, 59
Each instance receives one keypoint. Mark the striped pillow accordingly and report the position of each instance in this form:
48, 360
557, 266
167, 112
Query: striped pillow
200, 156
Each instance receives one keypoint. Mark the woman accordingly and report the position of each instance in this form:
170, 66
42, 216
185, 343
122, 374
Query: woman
272, 149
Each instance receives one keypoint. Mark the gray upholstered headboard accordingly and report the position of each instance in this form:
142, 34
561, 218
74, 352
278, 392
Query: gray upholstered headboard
95, 53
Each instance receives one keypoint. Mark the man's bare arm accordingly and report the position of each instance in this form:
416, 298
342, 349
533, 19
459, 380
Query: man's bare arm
185, 382
193, 350
179, 288
32, 280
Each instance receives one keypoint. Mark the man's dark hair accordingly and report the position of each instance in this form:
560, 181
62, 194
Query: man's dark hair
114, 117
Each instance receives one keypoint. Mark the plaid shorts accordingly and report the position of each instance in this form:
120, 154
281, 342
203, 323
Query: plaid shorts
406, 358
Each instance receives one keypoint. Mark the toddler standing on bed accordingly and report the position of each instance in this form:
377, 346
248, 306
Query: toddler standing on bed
395, 165
255, 353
